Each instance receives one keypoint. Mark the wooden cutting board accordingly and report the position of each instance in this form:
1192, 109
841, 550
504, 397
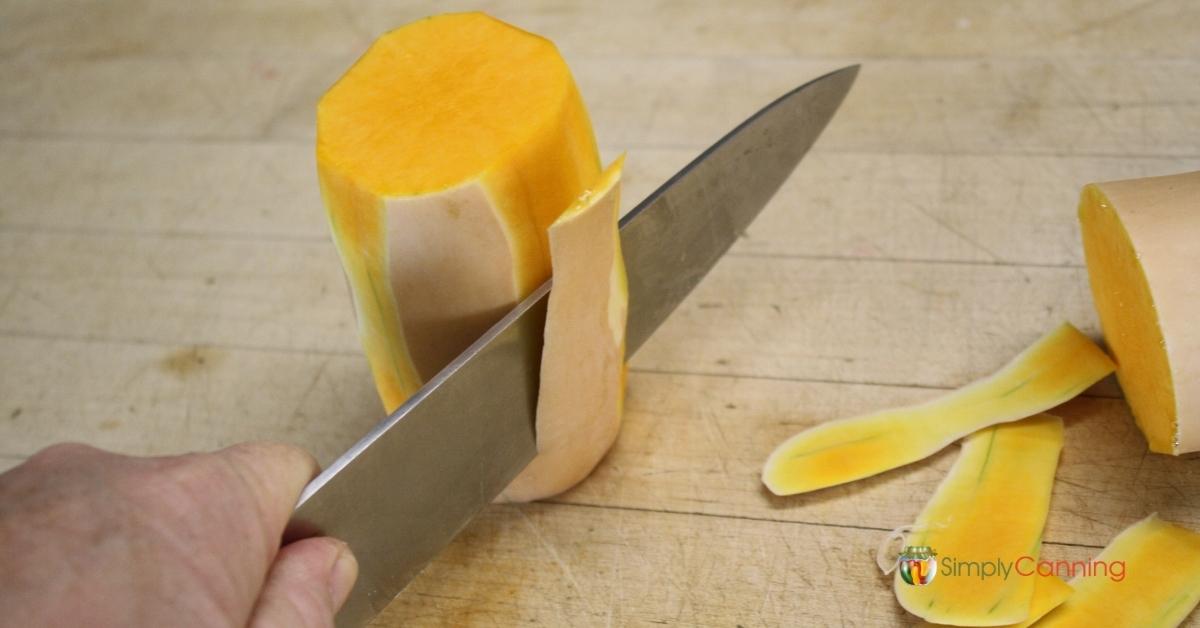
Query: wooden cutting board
167, 282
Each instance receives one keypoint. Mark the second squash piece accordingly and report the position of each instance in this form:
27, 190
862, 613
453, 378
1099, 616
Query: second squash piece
1141, 238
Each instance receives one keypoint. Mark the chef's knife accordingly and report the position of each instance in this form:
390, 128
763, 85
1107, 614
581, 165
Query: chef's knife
403, 492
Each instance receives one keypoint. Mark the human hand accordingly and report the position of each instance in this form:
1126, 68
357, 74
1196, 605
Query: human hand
93, 538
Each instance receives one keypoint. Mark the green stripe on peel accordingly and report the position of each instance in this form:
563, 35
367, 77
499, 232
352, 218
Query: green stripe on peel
801, 454
1054, 369
1014, 389
986, 458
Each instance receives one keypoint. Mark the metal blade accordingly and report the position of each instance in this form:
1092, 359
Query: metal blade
405, 490
672, 239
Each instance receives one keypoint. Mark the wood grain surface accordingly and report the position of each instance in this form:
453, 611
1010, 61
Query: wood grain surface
167, 282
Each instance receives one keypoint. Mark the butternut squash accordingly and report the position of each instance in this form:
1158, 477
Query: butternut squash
458, 167
990, 508
444, 154
1148, 576
1059, 366
1141, 239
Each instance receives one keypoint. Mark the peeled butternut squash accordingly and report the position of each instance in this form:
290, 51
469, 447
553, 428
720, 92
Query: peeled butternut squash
990, 508
1059, 366
1141, 238
583, 373
1148, 576
444, 154
458, 167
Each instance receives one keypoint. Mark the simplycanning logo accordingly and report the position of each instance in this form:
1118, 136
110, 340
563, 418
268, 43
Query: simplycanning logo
918, 564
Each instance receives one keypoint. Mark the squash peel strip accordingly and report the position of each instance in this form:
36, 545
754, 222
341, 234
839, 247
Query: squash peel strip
1048, 593
582, 381
989, 509
1158, 585
1056, 368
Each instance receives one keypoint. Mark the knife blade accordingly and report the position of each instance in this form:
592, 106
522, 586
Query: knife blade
406, 489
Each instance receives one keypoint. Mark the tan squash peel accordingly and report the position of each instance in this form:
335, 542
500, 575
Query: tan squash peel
583, 375
1057, 367
992, 505
1159, 584
1048, 593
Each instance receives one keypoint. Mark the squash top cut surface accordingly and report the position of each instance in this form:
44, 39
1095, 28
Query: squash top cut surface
441, 100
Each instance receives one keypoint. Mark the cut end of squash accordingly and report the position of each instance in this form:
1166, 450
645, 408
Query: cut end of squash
1056, 368
1141, 239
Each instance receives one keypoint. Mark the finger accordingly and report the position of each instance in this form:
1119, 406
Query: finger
274, 474
307, 585
223, 512
67, 453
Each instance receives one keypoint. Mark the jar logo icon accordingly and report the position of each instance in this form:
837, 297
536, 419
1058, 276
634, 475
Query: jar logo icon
918, 565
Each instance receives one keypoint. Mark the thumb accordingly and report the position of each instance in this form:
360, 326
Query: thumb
307, 585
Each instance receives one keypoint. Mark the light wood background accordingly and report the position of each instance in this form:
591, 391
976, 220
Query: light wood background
167, 282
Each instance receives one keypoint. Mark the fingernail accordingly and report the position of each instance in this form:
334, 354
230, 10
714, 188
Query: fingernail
342, 577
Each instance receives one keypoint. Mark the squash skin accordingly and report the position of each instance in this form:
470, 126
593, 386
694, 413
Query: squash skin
992, 505
1048, 593
1056, 368
430, 125
1141, 239
583, 359
1160, 585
